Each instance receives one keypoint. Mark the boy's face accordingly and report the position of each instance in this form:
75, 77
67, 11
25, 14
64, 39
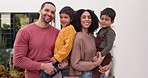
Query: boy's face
64, 19
105, 21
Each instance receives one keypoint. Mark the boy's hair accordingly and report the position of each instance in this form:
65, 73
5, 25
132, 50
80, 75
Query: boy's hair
77, 21
42, 6
67, 10
109, 12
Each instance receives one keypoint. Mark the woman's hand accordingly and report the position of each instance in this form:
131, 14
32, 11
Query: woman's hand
94, 59
100, 58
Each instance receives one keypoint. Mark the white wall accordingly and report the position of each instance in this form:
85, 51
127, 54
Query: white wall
131, 49
131, 45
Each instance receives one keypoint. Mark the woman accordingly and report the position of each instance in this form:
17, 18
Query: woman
85, 23
83, 59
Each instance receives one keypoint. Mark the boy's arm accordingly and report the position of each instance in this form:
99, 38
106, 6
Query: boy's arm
110, 40
63, 53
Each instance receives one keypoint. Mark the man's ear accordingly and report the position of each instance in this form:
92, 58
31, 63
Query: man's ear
40, 11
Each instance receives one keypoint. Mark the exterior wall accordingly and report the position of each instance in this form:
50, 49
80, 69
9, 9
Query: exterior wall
130, 51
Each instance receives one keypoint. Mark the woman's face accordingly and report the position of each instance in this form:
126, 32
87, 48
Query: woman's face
86, 20
64, 19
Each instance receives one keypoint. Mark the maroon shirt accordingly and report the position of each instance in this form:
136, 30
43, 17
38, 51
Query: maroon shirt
34, 45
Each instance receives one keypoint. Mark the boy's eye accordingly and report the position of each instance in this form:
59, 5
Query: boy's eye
104, 19
101, 19
65, 17
107, 19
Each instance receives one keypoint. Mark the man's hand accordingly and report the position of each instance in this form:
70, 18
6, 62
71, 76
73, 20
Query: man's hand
48, 68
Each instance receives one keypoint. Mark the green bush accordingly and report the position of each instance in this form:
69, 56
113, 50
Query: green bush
6, 26
4, 57
6, 63
4, 53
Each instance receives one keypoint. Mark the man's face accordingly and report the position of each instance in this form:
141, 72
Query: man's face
47, 13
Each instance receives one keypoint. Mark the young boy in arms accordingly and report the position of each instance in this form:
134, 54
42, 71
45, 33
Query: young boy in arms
64, 41
105, 38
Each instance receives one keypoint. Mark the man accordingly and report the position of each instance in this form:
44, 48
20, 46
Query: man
34, 44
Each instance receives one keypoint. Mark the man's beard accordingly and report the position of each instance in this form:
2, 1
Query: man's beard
47, 22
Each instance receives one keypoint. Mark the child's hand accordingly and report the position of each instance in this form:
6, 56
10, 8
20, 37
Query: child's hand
63, 64
53, 60
105, 68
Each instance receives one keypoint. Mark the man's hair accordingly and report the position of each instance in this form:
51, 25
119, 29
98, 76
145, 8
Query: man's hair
109, 12
42, 6
67, 10
77, 20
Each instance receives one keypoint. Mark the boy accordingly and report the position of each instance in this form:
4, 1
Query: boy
105, 38
64, 41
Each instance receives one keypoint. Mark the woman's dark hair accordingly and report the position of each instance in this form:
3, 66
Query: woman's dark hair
42, 6
77, 21
67, 10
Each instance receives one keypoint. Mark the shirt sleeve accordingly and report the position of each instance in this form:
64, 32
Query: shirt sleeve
77, 58
110, 40
68, 35
21, 45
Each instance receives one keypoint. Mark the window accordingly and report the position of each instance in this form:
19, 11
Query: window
10, 23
